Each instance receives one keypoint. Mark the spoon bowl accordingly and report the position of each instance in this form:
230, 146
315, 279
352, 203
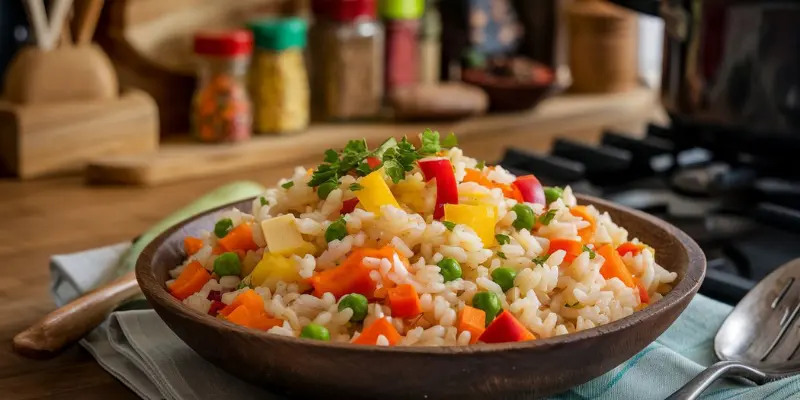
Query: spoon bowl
760, 338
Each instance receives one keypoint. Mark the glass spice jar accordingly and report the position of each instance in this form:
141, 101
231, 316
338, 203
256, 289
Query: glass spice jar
402, 41
348, 61
221, 109
278, 76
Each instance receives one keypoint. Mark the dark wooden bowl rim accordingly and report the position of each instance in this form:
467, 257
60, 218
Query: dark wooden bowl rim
688, 285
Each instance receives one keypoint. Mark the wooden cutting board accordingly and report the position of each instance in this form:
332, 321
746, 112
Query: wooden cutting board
180, 161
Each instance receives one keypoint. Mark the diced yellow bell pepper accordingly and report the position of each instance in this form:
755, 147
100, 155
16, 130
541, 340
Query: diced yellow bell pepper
481, 218
274, 268
375, 192
283, 238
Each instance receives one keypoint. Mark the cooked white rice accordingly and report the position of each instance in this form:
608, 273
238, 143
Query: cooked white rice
550, 298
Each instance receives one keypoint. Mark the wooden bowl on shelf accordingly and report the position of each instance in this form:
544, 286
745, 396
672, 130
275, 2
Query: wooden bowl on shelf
308, 368
508, 93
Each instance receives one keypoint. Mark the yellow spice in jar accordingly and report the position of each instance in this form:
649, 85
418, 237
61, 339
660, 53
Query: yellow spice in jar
279, 91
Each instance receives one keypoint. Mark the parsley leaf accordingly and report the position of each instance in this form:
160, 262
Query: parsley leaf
592, 254
449, 225
502, 239
450, 140
331, 156
481, 164
541, 259
429, 142
389, 143
287, 185
501, 255
547, 217
264, 202
364, 169
394, 170
355, 187
336, 165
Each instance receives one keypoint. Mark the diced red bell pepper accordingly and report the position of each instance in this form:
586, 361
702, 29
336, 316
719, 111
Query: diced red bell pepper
349, 205
531, 189
373, 162
446, 187
505, 328
216, 306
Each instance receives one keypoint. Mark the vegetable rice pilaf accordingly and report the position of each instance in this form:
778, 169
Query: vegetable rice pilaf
407, 246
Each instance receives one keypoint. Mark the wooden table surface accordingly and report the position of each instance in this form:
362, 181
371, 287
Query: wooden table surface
61, 215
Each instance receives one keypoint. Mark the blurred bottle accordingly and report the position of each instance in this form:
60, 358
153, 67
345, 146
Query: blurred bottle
430, 45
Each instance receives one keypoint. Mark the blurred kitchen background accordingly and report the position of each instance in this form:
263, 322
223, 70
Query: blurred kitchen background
692, 106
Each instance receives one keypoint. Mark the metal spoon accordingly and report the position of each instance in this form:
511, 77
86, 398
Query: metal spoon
760, 339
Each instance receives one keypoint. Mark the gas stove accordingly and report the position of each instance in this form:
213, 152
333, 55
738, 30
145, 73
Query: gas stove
736, 194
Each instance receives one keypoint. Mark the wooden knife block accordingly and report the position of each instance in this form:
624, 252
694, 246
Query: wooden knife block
39, 139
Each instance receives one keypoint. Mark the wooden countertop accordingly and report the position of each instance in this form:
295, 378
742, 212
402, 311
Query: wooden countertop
61, 215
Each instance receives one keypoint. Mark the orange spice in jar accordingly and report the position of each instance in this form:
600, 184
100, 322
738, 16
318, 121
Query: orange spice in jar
221, 108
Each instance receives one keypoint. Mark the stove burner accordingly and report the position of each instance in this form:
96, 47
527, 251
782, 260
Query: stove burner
727, 189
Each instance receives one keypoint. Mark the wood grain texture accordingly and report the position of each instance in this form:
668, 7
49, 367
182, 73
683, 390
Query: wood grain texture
187, 160
70, 323
313, 368
149, 43
65, 74
84, 217
41, 139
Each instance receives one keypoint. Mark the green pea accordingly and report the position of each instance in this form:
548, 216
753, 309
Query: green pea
222, 227
324, 190
489, 303
552, 194
316, 332
227, 264
504, 277
356, 302
525, 217
336, 231
450, 269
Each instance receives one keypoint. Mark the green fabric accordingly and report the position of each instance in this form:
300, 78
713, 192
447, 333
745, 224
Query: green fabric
677, 356
225, 194
279, 33
402, 9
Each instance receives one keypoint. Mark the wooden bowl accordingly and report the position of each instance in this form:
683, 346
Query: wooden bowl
336, 370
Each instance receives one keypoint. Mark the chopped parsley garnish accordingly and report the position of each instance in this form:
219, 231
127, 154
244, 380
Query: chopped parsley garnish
264, 202
501, 255
396, 158
577, 305
502, 239
481, 164
450, 141
547, 217
541, 259
355, 187
592, 254
287, 185
449, 225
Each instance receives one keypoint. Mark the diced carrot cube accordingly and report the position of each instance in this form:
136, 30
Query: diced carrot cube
404, 301
472, 320
192, 245
369, 336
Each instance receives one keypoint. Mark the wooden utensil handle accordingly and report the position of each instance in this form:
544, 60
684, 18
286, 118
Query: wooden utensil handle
71, 322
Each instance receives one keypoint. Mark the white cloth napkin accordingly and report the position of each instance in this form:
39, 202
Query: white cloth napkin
135, 345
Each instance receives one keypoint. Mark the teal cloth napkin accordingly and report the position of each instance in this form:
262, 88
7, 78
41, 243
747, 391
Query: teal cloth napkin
142, 352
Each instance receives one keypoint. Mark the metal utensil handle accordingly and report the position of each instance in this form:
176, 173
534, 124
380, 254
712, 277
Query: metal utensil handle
692, 389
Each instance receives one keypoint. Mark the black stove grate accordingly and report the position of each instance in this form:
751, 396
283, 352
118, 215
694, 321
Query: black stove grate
732, 191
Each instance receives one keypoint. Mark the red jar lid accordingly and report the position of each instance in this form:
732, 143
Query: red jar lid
349, 10
223, 43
